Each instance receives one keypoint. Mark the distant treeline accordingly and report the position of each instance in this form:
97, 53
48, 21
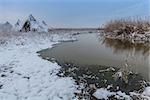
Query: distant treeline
77, 29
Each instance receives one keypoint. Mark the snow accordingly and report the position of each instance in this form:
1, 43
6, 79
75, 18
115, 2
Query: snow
145, 95
31, 18
103, 93
35, 25
18, 25
5, 27
120, 95
147, 91
44, 26
29, 77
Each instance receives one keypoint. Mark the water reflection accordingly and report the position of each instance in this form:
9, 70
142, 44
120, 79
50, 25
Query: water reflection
119, 46
138, 53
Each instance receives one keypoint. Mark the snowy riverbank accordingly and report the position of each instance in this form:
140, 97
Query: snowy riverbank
26, 76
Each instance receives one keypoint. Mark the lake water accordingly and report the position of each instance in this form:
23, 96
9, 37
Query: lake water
91, 49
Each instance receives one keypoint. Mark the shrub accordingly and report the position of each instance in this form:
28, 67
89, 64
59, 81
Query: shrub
127, 26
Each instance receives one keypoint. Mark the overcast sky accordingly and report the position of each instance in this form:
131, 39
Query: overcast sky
72, 13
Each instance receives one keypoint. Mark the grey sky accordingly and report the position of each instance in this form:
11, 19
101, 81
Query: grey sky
72, 13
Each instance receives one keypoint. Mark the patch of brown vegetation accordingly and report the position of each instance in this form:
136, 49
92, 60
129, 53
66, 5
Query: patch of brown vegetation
127, 26
135, 31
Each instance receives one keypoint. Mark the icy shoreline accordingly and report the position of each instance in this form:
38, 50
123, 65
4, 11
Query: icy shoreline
26, 76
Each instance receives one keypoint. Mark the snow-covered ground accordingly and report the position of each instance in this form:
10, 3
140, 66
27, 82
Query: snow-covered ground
26, 76
104, 93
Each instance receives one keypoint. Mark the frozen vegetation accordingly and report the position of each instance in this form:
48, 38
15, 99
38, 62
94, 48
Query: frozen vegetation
133, 30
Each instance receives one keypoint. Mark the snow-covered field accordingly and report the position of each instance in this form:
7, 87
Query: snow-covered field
26, 76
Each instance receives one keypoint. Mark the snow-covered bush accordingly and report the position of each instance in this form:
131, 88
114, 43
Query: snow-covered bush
136, 31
